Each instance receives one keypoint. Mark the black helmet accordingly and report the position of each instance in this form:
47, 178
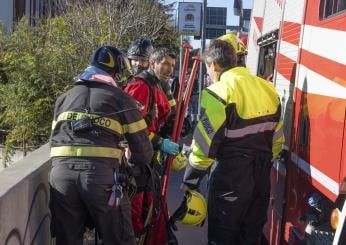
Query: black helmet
140, 48
112, 61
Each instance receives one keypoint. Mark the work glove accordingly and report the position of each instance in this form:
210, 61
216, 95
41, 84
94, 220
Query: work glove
179, 162
169, 147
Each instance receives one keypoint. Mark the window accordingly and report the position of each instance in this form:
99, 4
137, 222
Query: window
246, 25
266, 62
213, 33
332, 7
19, 9
216, 16
267, 54
43, 8
247, 14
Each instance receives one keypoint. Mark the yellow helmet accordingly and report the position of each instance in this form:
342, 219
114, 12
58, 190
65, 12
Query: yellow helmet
237, 44
193, 209
179, 162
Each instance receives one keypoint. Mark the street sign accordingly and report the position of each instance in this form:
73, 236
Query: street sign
189, 18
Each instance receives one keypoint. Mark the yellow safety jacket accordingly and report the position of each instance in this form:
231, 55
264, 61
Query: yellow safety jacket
240, 115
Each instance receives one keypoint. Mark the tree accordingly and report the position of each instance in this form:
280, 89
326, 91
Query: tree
38, 63
120, 22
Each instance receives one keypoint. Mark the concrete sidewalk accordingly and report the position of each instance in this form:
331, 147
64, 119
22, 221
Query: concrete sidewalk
186, 235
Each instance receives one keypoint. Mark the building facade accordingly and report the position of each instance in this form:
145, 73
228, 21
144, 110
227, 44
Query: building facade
231, 16
12, 11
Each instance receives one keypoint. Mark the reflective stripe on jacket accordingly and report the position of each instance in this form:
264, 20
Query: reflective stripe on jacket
167, 89
100, 102
240, 115
105, 122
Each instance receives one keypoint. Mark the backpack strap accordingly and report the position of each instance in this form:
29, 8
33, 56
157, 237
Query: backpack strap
148, 79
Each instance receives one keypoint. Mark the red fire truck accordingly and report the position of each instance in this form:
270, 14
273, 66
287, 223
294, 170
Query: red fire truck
301, 46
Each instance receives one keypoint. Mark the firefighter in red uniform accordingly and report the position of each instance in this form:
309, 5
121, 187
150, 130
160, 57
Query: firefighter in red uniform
90, 120
147, 89
138, 54
238, 134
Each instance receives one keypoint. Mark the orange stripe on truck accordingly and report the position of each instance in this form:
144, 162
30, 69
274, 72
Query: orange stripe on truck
330, 69
286, 67
291, 32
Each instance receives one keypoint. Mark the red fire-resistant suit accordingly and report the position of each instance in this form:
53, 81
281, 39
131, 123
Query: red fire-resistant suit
147, 90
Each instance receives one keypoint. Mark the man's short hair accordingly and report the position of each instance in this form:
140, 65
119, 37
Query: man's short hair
222, 53
160, 53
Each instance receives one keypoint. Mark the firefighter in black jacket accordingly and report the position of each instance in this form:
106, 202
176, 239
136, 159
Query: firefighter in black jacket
89, 122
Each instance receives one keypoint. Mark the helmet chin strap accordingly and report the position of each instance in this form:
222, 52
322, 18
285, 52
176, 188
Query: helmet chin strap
178, 214
138, 69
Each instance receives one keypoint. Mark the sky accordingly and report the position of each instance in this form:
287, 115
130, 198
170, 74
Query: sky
234, 20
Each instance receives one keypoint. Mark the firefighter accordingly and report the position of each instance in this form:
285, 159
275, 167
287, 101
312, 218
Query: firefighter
146, 88
236, 138
90, 120
238, 45
138, 54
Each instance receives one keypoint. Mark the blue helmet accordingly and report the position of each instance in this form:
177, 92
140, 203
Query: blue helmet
112, 61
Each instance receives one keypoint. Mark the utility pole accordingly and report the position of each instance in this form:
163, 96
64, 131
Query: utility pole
201, 67
181, 45
180, 55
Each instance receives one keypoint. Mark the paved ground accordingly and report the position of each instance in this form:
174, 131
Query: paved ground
186, 235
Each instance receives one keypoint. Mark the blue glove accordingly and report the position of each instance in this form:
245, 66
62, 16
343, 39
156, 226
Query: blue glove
169, 147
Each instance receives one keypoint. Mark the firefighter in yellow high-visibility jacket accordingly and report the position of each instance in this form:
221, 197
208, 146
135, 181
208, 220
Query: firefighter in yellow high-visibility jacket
239, 133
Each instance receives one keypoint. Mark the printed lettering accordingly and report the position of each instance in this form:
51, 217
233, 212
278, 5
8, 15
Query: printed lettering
206, 125
103, 122
108, 123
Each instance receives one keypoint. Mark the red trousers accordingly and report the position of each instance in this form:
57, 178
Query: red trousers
140, 200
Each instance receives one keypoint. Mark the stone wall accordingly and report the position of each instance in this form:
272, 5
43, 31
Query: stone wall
24, 198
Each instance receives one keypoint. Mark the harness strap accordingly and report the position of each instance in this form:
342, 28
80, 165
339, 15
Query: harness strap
148, 80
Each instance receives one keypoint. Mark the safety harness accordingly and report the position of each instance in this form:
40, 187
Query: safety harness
149, 80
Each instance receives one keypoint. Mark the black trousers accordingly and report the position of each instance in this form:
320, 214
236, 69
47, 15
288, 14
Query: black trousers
78, 194
238, 200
